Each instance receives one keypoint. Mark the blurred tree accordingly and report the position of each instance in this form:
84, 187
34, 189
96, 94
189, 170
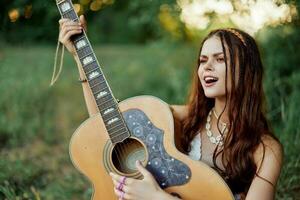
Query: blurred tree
125, 21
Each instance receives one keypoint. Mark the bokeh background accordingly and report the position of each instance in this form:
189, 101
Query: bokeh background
145, 47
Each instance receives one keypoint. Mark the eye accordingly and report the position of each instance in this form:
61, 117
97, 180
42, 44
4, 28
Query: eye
202, 61
220, 59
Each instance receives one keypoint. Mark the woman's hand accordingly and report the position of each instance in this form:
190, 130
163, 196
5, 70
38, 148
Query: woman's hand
67, 29
129, 188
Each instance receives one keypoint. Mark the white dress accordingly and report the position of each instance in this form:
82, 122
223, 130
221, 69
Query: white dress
195, 152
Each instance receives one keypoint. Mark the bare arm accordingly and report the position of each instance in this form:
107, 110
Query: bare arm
263, 186
67, 29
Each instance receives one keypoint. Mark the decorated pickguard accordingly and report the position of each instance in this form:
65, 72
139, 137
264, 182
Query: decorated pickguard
167, 170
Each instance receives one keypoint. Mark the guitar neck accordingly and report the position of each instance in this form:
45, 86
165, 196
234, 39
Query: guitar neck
102, 93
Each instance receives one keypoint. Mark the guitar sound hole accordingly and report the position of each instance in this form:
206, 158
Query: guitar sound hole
125, 154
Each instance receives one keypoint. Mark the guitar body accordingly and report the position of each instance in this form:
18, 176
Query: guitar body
150, 122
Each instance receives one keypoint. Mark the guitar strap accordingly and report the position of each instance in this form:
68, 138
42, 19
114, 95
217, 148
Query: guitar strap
55, 75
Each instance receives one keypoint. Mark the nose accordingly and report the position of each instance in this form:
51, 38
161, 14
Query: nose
208, 66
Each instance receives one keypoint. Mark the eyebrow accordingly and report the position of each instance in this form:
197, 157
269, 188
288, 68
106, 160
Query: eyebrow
215, 54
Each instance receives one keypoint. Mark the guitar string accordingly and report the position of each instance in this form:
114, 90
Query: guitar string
121, 148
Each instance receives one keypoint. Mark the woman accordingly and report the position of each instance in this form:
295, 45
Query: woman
223, 123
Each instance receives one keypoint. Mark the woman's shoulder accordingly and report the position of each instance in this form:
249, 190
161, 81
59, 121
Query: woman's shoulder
269, 146
179, 111
268, 158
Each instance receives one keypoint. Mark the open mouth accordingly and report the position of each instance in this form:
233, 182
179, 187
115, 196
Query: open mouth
210, 79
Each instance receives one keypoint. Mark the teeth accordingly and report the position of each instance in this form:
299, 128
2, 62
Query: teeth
210, 79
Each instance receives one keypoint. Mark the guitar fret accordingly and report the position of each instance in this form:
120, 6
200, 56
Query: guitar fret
83, 51
108, 111
87, 60
99, 83
96, 80
119, 122
109, 130
70, 15
108, 119
82, 45
92, 66
100, 95
101, 104
113, 120
119, 138
80, 38
104, 100
64, 6
102, 111
68, 11
114, 136
116, 131
108, 107
103, 89
86, 55
111, 113
94, 75
94, 69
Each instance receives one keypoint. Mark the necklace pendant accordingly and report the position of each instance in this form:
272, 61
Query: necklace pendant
213, 140
208, 118
209, 133
207, 126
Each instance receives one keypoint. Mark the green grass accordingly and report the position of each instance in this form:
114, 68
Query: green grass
37, 121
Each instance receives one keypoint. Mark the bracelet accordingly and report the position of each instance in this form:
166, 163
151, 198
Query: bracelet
82, 80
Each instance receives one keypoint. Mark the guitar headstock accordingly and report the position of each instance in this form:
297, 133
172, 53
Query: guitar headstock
59, 1
64, 6
67, 10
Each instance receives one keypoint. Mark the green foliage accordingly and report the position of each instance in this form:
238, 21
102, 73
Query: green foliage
25, 101
280, 47
124, 21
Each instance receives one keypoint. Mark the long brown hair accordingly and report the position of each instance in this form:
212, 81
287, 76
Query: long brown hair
245, 105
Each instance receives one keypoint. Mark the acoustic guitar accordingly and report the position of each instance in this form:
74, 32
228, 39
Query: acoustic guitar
138, 128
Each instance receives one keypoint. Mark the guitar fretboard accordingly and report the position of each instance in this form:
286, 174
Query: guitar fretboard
103, 96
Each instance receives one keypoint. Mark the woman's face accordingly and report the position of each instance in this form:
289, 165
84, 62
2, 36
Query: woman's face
212, 69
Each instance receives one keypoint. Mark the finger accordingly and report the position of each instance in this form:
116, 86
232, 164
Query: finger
66, 30
83, 22
142, 169
70, 24
124, 188
120, 178
69, 34
62, 20
122, 194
